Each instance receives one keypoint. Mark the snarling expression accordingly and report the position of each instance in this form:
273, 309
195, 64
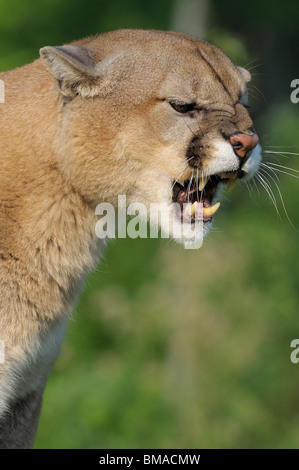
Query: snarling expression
160, 117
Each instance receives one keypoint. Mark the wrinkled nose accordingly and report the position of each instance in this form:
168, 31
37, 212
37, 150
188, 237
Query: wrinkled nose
243, 143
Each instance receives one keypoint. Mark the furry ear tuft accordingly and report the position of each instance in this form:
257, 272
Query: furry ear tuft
74, 69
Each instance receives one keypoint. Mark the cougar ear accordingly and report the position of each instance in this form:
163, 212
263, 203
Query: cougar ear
245, 74
74, 69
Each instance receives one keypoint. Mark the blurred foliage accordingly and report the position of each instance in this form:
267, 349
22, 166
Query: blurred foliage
175, 348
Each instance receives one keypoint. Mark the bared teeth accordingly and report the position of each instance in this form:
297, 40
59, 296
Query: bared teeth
231, 183
192, 209
209, 211
203, 181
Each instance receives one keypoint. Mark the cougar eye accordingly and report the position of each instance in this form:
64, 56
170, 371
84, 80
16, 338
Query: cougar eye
182, 107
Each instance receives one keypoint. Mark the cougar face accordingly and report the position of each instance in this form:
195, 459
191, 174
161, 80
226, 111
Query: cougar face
160, 117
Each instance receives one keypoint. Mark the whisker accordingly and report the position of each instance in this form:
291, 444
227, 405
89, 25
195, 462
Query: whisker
266, 167
252, 67
284, 172
252, 94
282, 166
255, 184
249, 188
269, 192
256, 88
176, 181
203, 176
251, 62
197, 184
257, 74
189, 185
282, 202
190, 129
280, 146
272, 171
276, 154
280, 153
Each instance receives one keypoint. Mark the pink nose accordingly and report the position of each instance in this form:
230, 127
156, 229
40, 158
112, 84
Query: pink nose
243, 143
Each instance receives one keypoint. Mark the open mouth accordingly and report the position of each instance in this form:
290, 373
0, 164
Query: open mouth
200, 193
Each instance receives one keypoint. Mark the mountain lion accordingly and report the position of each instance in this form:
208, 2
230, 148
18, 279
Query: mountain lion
160, 117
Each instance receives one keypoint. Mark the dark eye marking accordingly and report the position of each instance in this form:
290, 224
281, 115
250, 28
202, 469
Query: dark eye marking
183, 108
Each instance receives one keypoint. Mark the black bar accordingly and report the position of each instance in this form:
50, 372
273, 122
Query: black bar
126, 458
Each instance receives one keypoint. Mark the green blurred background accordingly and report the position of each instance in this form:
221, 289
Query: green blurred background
170, 348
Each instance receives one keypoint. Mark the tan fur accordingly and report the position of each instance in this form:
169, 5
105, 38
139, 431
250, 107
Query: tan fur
80, 126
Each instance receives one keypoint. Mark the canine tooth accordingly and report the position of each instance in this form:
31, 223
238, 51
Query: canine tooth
208, 211
202, 182
192, 209
231, 183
